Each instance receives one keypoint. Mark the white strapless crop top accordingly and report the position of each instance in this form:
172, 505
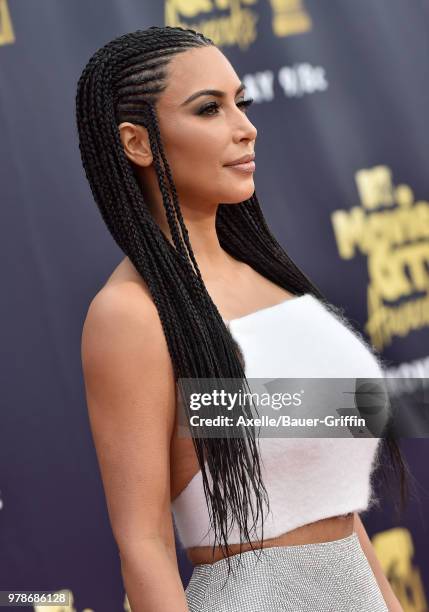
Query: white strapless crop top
307, 479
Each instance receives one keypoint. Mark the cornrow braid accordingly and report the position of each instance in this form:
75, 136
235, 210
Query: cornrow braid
123, 81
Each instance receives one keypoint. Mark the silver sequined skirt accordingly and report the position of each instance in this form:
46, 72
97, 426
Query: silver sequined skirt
324, 577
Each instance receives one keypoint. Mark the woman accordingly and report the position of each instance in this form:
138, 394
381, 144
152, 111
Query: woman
162, 119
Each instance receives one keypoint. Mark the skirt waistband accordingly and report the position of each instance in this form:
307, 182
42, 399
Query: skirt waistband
272, 555
324, 576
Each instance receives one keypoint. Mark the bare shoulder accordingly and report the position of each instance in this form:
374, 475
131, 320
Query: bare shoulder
124, 296
123, 341
118, 308
130, 392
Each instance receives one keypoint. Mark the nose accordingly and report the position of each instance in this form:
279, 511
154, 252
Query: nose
245, 129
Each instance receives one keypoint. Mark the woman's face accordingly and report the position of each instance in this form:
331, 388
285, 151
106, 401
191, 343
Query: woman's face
201, 135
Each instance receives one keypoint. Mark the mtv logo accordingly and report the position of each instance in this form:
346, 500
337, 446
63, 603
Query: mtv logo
375, 186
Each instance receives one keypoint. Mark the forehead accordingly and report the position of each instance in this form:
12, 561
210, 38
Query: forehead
195, 69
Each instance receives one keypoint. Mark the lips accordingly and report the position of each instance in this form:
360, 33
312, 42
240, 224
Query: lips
244, 164
242, 160
246, 167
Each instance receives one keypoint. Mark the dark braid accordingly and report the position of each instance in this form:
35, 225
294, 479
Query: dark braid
122, 82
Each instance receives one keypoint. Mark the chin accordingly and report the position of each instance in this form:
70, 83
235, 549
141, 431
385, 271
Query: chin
240, 195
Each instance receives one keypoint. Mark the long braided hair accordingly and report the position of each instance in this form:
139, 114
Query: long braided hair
122, 82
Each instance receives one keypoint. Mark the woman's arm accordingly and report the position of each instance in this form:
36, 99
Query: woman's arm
390, 598
130, 393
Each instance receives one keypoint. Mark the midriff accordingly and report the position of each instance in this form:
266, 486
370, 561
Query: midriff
325, 530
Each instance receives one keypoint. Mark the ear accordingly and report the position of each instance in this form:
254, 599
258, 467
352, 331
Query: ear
135, 140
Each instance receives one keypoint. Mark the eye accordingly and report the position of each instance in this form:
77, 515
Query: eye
213, 106
245, 103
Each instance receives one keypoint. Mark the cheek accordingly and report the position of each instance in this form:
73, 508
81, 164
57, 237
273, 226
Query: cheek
203, 176
189, 149
195, 155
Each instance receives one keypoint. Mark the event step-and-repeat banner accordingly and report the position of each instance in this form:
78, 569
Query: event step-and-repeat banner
341, 92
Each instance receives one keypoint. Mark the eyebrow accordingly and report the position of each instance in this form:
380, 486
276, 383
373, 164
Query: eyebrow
211, 92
